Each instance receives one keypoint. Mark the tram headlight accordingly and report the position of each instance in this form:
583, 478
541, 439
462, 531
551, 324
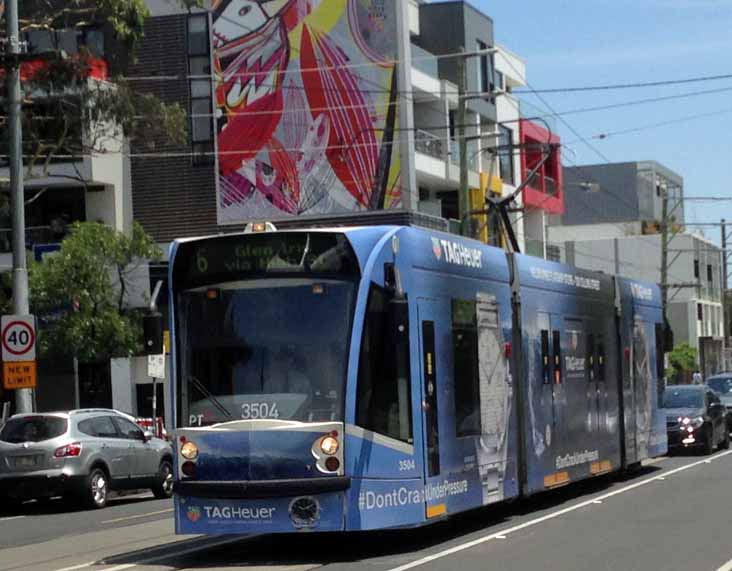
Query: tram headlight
329, 445
189, 450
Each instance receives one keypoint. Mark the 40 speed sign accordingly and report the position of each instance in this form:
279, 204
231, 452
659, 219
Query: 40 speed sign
18, 338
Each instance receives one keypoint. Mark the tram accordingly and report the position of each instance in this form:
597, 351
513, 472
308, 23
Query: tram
379, 377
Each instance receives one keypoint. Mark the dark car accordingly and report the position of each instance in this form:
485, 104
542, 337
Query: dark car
722, 385
695, 417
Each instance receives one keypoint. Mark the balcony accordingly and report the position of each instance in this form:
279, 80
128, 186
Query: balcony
424, 61
428, 144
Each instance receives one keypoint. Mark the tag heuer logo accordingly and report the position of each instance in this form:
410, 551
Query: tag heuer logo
194, 513
436, 248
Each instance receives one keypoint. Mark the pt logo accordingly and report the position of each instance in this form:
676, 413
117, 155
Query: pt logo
436, 248
194, 513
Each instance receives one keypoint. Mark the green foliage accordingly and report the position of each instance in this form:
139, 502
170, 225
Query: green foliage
80, 293
66, 114
682, 359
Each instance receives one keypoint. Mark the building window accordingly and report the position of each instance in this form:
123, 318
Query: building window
200, 81
710, 277
696, 269
505, 155
700, 312
465, 367
485, 71
499, 80
553, 253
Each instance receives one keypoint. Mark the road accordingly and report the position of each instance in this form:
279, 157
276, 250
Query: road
672, 515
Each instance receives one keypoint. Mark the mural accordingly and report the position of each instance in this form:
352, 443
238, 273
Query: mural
305, 107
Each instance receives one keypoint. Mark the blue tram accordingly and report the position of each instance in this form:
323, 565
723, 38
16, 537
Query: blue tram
385, 377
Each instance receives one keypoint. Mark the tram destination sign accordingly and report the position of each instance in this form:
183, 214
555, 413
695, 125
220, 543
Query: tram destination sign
237, 256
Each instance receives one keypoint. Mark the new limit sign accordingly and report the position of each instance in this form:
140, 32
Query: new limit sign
18, 333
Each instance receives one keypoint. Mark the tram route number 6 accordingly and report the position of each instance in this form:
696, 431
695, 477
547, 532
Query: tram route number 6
18, 338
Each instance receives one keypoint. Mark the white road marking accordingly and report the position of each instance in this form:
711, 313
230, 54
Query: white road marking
481, 540
596, 501
12, 517
500, 537
75, 567
138, 516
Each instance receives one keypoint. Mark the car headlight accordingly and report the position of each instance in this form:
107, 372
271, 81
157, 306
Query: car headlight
693, 422
189, 451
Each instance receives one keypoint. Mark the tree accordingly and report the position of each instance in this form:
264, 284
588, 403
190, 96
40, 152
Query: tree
681, 360
80, 294
67, 115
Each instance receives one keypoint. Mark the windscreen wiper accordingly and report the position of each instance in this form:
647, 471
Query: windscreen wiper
212, 399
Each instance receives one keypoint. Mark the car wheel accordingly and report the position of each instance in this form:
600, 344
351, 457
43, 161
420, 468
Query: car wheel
96, 489
164, 487
724, 445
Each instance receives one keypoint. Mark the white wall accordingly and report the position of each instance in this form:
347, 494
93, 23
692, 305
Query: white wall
127, 374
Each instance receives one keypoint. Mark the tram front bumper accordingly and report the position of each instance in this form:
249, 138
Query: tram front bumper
215, 516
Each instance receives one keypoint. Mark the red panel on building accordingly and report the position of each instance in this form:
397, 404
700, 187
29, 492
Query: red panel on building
545, 191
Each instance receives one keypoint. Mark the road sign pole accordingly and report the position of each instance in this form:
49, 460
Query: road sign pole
155, 406
23, 397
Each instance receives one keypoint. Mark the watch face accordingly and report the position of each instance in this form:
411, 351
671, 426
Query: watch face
304, 512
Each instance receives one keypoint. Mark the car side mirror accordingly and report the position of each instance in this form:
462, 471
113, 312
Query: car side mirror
147, 436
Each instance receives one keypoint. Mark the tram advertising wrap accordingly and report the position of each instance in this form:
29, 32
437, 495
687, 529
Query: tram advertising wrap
386, 377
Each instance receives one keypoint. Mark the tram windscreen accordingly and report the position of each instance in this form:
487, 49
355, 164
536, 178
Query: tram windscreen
271, 348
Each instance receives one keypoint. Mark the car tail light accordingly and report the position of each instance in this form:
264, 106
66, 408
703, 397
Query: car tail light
69, 450
332, 463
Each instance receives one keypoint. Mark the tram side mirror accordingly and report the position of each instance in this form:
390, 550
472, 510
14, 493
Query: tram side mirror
152, 328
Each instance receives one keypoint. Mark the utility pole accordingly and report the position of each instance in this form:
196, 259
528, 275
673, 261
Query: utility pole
724, 258
410, 195
23, 397
664, 250
464, 191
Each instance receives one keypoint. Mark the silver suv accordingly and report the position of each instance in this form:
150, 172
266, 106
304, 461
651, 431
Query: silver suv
84, 454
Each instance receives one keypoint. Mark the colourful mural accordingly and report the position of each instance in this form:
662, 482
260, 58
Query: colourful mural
305, 107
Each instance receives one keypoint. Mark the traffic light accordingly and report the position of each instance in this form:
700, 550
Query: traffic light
152, 326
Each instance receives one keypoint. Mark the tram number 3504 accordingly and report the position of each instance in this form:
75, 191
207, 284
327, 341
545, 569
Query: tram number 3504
256, 410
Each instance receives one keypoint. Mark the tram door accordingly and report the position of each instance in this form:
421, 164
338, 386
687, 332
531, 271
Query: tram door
428, 314
552, 400
642, 379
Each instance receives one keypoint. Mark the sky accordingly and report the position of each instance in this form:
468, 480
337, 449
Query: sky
568, 43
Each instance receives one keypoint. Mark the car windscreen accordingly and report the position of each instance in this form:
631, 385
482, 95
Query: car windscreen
33, 429
683, 398
723, 386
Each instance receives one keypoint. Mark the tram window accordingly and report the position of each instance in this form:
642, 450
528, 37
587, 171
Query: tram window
545, 364
378, 403
465, 358
557, 350
591, 360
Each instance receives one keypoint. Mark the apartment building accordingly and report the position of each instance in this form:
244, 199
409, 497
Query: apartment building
611, 223
333, 133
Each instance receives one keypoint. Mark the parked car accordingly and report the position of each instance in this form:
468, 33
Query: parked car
83, 454
695, 417
722, 385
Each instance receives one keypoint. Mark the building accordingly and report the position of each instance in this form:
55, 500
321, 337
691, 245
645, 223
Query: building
68, 178
282, 150
611, 224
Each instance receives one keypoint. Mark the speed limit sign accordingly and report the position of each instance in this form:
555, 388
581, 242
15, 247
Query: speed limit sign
18, 338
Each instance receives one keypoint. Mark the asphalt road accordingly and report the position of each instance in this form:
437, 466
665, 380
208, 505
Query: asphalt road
672, 515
